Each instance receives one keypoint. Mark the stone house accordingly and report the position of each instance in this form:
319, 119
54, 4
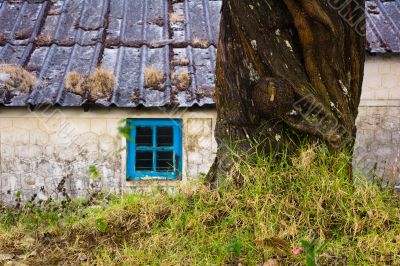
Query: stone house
162, 54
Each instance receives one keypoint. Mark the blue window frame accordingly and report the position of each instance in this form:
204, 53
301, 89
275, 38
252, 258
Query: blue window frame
154, 149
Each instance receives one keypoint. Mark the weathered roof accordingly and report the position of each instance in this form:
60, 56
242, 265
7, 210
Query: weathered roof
383, 26
53, 38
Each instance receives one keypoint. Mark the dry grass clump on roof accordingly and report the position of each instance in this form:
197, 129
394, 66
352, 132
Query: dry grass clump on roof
74, 82
98, 84
182, 80
200, 43
181, 62
15, 77
174, 18
153, 77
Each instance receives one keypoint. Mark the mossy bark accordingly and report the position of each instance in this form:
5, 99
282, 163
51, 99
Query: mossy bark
288, 65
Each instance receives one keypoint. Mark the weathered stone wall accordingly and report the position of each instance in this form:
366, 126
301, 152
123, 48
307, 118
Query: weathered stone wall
38, 150
377, 150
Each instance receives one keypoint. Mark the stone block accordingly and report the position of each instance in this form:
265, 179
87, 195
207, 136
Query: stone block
14, 136
38, 137
68, 154
77, 126
372, 81
394, 93
51, 122
382, 94
389, 81
6, 151
112, 127
28, 151
10, 183
108, 143
204, 167
5, 123
195, 127
205, 143
25, 123
98, 126
384, 67
195, 158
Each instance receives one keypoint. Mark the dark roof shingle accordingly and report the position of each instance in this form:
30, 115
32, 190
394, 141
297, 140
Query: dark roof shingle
53, 38
383, 26
124, 36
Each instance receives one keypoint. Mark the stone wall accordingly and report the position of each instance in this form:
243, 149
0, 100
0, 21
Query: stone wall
377, 150
41, 149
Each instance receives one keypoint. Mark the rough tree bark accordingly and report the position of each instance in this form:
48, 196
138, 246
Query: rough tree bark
288, 65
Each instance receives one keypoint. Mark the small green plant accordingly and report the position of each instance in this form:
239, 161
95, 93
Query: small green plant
281, 200
94, 173
312, 250
235, 247
124, 129
101, 225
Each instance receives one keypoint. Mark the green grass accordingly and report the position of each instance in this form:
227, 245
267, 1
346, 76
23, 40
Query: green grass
282, 204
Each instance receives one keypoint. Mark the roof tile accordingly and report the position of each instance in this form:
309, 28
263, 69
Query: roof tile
52, 38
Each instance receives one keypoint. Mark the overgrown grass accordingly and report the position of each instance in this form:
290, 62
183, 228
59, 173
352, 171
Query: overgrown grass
282, 204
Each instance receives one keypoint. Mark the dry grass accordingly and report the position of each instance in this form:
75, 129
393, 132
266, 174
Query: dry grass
20, 79
153, 77
174, 18
181, 62
98, 84
275, 209
200, 43
44, 39
182, 80
74, 82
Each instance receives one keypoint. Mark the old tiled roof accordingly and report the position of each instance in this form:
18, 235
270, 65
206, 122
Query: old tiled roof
383, 26
53, 38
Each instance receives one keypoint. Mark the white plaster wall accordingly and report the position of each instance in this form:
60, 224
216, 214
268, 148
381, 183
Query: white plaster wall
381, 81
38, 149
377, 149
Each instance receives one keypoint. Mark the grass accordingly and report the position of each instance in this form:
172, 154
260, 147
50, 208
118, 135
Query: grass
99, 84
182, 80
174, 18
20, 79
153, 77
200, 43
287, 211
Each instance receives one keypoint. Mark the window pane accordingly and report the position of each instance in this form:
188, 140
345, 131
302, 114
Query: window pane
144, 136
165, 136
165, 161
144, 160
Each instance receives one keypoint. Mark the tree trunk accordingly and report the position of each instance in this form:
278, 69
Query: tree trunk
288, 66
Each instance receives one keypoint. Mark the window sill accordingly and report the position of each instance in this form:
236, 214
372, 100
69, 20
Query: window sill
151, 182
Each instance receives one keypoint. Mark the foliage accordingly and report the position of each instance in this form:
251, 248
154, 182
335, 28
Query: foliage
282, 206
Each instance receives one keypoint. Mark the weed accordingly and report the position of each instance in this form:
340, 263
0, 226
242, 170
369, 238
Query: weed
98, 84
174, 18
264, 220
153, 77
17, 78
182, 80
200, 43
